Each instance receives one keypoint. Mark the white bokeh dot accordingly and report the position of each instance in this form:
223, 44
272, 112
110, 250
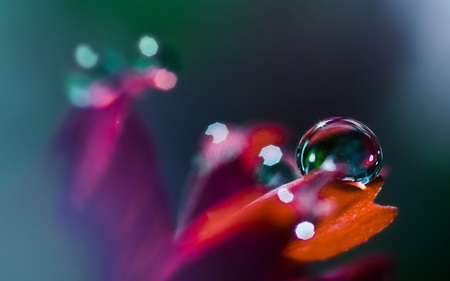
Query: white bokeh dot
285, 195
304, 230
148, 46
271, 154
85, 56
218, 131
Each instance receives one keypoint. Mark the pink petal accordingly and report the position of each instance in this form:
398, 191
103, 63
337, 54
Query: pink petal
87, 138
115, 185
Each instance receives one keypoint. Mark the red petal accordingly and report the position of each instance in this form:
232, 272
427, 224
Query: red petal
241, 238
354, 219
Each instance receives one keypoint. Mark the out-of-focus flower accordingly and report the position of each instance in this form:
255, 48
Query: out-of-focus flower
232, 226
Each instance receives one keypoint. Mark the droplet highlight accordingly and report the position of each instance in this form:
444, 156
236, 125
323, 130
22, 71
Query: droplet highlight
305, 230
85, 56
218, 131
271, 154
342, 144
148, 46
285, 195
162, 79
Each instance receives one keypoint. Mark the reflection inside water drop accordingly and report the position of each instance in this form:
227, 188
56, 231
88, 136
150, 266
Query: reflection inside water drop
342, 144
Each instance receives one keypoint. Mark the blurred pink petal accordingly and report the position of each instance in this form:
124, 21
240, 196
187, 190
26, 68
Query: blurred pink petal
115, 183
87, 138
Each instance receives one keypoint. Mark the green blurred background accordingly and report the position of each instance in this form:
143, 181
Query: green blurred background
386, 63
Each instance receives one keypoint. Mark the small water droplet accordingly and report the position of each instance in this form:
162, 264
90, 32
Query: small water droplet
218, 131
305, 230
285, 195
271, 154
344, 144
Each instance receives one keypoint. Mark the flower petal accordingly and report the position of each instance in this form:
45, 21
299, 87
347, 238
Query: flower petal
354, 219
227, 167
87, 139
123, 195
251, 228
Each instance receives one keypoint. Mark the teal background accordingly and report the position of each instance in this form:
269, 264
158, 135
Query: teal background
385, 63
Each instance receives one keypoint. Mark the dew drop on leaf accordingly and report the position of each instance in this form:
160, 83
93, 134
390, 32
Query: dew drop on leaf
340, 144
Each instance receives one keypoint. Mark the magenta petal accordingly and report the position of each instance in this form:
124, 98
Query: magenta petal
121, 194
218, 185
246, 256
227, 167
88, 138
219, 174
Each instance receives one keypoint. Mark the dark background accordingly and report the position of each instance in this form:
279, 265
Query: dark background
385, 63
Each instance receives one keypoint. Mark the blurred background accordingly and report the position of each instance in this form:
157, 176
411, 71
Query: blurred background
385, 63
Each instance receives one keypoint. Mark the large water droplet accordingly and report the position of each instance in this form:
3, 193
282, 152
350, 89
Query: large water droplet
341, 144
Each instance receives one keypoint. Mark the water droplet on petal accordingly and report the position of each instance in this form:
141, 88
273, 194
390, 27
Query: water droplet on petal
285, 195
218, 131
271, 154
305, 230
342, 144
